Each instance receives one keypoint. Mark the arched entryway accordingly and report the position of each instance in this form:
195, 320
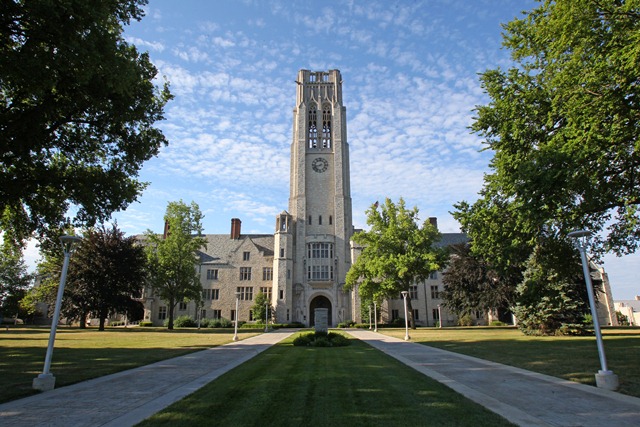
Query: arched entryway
319, 302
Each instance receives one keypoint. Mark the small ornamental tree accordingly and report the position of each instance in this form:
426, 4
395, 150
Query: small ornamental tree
397, 252
260, 306
172, 258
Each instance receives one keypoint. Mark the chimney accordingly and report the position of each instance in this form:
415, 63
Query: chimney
434, 221
235, 228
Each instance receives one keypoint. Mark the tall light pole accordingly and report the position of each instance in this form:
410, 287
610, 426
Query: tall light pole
266, 316
369, 316
406, 317
46, 381
235, 330
375, 316
439, 316
604, 378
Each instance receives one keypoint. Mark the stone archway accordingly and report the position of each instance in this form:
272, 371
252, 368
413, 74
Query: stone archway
319, 302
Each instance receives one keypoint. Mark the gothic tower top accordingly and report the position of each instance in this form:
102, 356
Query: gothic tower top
319, 87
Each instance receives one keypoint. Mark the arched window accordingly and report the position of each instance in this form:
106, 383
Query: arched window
313, 127
326, 126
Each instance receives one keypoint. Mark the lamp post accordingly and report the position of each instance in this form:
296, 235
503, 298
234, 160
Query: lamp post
406, 317
604, 378
266, 316
369, 316
439, 316
235, 330
375, 316
46, 381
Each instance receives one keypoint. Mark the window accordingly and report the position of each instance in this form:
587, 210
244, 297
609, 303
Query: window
203, 314
217, 314
415, 314
182, 306
281, 294
326, 126
288, 274
281, 252
436, 314
320, 250
245, 256
313, 127
233, 315
267, 273
435, 293
433, 275
245, 273
310, 219
250, 315
162, 313
330, 220
212, 274
395, 314
206, 294
320, 220
413, 292
215, 294
478, 315
246, 293
320, 272
266, 291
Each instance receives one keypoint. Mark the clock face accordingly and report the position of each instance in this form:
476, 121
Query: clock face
319, 164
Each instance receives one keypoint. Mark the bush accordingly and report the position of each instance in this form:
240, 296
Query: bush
216, 323
321, 339
146, 323
347, 324
465, 320
185, 321
497, 323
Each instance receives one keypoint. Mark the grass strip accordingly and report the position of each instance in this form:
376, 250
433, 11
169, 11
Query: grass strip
82, 354
354, 385
572, 358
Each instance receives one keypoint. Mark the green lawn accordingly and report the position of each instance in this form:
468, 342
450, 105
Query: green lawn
83, 354
572, 358
347, 386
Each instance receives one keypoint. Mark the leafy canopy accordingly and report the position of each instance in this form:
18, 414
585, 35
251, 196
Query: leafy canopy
563, 126
173, 257
397, 252
77, 109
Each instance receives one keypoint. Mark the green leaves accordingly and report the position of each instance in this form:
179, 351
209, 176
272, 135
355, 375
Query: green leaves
173, 258
397, 252
77, 108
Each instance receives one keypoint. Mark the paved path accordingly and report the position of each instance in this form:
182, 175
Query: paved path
128, 397
523, 397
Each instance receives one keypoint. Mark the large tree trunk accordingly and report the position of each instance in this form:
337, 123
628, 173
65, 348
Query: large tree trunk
103, 317
83, 320
172, 305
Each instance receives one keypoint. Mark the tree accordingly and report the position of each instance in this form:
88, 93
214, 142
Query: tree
77, 109
172, 257
397, 252
106, 271
14, 278
552, 298
563, 123
260, 307
471, 284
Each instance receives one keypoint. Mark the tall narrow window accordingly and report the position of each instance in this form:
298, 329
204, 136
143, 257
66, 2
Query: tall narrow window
326, 126
330, 220
320, 220
310, 219
313, 127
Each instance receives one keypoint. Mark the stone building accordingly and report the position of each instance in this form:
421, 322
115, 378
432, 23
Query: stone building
302, 266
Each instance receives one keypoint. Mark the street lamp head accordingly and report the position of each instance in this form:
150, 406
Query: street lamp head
68, 242
404, 294
579, 233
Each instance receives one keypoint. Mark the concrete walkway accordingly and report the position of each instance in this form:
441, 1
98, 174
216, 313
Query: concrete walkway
128, 397
523, 397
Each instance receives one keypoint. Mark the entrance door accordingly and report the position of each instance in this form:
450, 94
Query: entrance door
319, 302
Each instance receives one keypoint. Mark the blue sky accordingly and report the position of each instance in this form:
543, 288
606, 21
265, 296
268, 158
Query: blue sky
410, 72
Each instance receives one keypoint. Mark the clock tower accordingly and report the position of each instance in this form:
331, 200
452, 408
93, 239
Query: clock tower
311, 248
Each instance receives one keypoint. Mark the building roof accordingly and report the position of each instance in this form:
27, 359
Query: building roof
221, 246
